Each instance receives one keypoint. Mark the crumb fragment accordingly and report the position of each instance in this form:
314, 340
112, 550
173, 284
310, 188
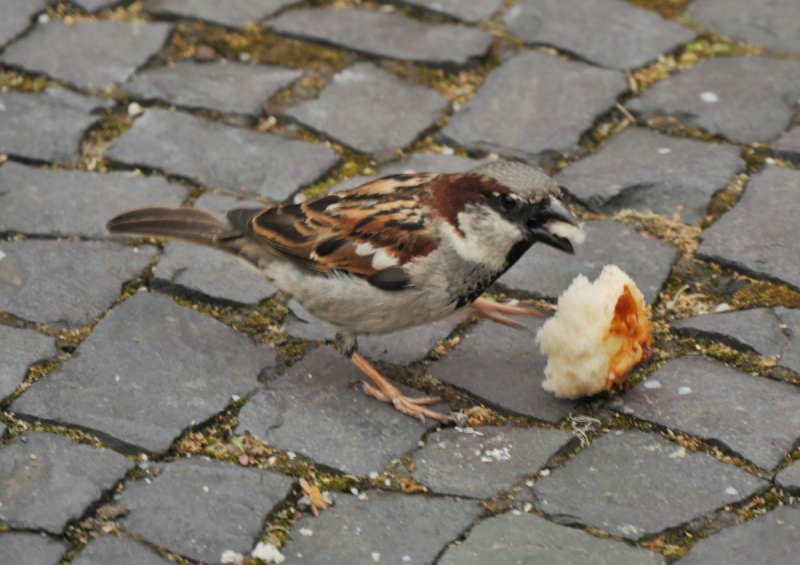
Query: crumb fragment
599, 333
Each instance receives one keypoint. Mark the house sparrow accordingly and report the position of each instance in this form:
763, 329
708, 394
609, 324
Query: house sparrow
395, 253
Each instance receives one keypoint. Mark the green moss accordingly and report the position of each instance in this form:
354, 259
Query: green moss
764, 293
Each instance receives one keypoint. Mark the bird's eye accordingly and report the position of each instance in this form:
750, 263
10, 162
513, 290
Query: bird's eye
508, 202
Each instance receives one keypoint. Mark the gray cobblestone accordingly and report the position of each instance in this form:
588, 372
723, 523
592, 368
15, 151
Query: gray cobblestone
16, 16
468, 10
21, 349
234, 15
787, 146
119, 551
31, 549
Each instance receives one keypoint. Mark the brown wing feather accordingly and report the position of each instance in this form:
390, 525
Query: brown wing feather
326, 233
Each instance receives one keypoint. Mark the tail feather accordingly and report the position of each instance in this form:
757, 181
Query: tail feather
187, 224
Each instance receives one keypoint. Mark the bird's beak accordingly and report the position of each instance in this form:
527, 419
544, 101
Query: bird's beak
555, 226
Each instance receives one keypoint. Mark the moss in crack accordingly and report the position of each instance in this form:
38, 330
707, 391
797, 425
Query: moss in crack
725, 199
114, 122
14, 80
667, 8
757, 294
671, 230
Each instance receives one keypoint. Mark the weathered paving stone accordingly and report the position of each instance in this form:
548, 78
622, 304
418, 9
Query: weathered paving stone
47, 126
210, 274
175, 367
416, 163
323, 417
611, 33
756, 417
119, 551
386, 35
544, 271
400, 348
472, 11
88, 55
222, 156
754, 236
31, 549
384, 528
199, 509
644, 170
65, 283
789, 478
752, 330
482, 462
371, 110
16, 16
230, 14
96, 5
526, 538
47, 480
222, 86
790, 356
3, 430
772, 24
787, 146
48, 202
221, 204
747, 99
21, 349
504, 367
534, 105
634, 484
771, 538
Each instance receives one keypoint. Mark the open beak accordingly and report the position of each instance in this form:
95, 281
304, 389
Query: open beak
553, 226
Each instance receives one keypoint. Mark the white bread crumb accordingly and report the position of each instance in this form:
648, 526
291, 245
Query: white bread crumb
590, 349
573, 233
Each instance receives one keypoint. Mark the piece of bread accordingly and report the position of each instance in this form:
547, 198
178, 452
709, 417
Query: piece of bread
599, 333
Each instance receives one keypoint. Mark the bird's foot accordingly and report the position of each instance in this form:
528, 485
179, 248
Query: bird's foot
387, 392
497, 312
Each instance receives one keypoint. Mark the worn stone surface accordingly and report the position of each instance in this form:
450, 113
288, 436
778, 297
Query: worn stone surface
770, 24
534, 105
789, 478
416, 163
633, 484
16, 16
223, 203
47, 126
87, 54
175, 367
119, 551
480, 463
230, 14
756, 417
96, 5
208, 274
222, 156
400, 348
644, 170
21, 349
371, 110
747, 99
472, 11
386, 35
754, 236
526, 538
47, 480
65, 283
611, 33
390, 525
790, 356
323, 417
222, 86
772, 538
44, 201
31, 549
787, 146
751, 330
504, 367
544, 271
199, 509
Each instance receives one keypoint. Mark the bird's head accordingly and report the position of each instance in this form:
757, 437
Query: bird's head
498, 210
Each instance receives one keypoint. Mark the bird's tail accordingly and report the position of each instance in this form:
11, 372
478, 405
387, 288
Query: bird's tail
187, 224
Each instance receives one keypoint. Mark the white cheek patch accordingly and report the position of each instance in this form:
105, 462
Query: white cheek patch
364, 249
574, 234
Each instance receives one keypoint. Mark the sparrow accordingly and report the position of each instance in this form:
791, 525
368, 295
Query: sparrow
394, 253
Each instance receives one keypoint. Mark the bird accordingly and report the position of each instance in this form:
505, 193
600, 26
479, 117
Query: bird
394, 253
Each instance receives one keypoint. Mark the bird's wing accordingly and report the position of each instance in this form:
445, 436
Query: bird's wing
371, 231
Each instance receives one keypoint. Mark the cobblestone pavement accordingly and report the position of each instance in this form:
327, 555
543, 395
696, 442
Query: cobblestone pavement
161, 404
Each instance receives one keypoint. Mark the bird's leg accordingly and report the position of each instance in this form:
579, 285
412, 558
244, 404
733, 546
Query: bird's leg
385, 391
497, 312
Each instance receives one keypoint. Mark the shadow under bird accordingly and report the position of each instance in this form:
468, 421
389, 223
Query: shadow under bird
395, 253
